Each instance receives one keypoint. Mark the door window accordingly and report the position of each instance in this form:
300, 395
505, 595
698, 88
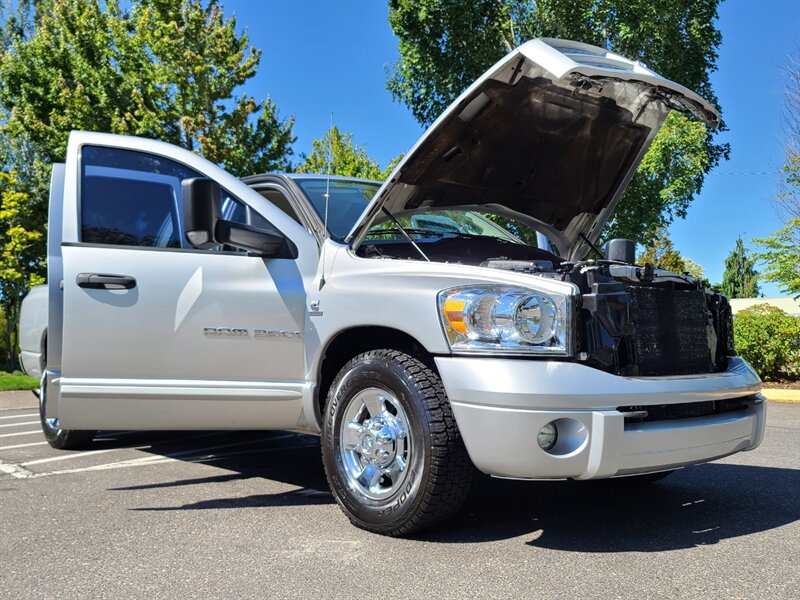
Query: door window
131, 198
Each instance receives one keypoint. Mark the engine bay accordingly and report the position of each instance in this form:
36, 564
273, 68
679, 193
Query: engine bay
456, 248
632, 320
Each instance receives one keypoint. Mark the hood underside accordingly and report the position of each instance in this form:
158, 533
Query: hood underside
550, 135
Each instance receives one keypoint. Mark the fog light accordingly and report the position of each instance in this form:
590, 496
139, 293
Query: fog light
547, 437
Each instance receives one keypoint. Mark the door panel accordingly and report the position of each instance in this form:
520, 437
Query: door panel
157, 335
194, 320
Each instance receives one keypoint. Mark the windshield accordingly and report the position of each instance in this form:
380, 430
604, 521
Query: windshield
443, 223
349, 199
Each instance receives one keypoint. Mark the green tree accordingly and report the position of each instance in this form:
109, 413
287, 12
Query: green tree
336, 153
696, 270
22, 248
445, 44
198, 60
165, 69
740, 279
161, 69
661, 253
781, 257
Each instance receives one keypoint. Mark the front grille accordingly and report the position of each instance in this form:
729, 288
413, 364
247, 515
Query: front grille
667, 412
671, 335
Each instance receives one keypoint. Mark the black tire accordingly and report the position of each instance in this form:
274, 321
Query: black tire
61, 439
437, 473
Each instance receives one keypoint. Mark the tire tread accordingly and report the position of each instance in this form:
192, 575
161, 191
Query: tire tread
451, 470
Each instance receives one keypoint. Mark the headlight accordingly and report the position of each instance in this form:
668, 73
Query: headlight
505, 319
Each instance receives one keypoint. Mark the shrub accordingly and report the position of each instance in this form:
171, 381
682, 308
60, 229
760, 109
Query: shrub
769, 339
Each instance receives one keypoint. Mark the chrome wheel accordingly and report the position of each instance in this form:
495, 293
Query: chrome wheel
52, 424
392, 452
62, 439
374, 443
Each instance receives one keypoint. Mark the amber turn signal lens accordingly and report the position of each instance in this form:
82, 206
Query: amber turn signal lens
454, 313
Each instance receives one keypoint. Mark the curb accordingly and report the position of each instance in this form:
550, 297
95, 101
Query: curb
781, 395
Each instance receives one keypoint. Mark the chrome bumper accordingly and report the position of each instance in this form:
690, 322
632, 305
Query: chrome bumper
501, 404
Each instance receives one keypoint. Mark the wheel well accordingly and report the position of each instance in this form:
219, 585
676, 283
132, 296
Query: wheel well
353, 342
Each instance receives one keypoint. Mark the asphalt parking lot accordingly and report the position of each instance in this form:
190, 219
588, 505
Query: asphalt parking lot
248, 514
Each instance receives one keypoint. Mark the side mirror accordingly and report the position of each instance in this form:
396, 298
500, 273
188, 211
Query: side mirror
205, 228
202, 208
262, 242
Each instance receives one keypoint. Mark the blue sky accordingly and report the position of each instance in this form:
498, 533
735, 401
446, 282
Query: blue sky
324, 56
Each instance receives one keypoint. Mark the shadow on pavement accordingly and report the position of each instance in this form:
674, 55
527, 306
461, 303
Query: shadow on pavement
290, 458
695, 506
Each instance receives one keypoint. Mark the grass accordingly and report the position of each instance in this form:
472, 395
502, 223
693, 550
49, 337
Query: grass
16, 381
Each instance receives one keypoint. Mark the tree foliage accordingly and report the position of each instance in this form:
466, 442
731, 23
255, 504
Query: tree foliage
740, 279
661, 253
336, 153
781, 256
162, 69
22, 248
446, 44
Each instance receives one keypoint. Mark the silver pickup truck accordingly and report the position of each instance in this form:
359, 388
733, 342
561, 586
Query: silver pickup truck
445, 320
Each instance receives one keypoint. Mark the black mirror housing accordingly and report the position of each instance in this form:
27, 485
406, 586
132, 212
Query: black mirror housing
262, 242
202, 208
205, 228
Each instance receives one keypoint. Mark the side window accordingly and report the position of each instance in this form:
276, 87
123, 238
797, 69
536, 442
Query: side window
131, 198
280, 200
234, 210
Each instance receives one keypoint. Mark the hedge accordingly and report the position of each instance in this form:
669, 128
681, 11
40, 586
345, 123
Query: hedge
769, 339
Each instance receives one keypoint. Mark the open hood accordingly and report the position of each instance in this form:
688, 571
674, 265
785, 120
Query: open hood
550, 135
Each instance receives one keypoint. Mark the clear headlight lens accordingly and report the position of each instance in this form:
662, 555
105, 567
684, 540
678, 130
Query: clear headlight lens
505, 319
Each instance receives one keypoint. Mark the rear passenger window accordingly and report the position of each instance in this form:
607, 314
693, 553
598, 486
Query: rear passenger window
131, 198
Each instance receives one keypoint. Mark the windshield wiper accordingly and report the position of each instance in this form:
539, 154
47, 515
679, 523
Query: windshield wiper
409, 230
465, 235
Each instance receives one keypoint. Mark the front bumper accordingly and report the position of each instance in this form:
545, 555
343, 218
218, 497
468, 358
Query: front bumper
501, 404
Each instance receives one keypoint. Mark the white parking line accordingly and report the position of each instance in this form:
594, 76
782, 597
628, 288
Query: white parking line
106, 450
20, 472
195, 455
76, 455
14, 470
26, 415
23, 445
5, 435
18, 424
